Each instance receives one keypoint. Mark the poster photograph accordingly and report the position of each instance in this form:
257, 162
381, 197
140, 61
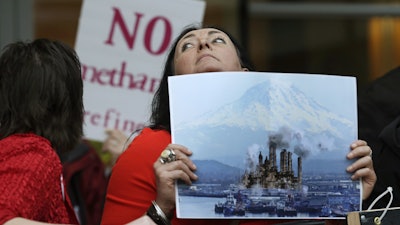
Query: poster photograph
266, 145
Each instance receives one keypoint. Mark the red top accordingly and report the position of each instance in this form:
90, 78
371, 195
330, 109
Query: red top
30, 181
132, 184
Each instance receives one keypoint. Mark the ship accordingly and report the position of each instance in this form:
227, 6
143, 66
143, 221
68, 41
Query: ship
231, 207
285, 210
255, 205
326, 211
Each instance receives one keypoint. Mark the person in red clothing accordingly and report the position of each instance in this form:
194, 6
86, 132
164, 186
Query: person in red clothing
142, 184
41, 116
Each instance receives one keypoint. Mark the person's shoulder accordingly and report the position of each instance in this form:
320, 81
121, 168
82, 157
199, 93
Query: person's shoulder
384, 88
27, 143
30, 153
25, 138
149, 133
149, 142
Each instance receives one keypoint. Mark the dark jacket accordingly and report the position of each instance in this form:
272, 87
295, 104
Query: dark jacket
379, 125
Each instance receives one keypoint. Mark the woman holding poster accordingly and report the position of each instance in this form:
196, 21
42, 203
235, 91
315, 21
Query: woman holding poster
143, 179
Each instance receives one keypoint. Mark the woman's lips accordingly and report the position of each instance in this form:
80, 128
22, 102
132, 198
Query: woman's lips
205, 56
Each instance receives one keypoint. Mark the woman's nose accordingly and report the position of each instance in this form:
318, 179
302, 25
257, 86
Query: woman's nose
204, 44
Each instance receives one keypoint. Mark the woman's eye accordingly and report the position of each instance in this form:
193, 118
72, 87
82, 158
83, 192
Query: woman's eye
186, 46
219, 40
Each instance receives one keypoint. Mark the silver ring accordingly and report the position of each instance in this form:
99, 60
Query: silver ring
167, 156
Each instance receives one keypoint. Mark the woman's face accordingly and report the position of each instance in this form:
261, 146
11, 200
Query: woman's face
206, 50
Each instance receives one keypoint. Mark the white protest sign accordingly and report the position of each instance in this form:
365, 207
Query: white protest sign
122, 46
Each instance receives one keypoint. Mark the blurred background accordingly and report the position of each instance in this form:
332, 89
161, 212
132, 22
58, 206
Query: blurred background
340, 37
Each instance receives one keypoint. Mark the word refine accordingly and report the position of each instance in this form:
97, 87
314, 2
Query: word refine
119, 78
111, 119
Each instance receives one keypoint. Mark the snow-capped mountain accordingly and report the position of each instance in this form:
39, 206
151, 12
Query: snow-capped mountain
272, 109
269, 106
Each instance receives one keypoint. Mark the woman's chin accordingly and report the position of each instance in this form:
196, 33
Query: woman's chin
210, 70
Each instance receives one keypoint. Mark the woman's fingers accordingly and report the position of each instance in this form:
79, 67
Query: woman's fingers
363, 167
359, 149
363, 162
173, 164
182, 168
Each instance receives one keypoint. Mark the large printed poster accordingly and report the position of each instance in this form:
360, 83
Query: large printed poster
266, 145
122, 46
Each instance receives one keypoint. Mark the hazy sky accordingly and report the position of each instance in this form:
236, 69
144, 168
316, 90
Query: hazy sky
206, 91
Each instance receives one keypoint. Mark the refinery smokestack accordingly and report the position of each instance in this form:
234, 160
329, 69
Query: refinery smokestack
284, 160
300, 172
272, 154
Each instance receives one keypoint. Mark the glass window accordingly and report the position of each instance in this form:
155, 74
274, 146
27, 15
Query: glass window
340, 38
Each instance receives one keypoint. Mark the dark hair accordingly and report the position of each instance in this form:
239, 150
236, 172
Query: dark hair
160, 115
41, 92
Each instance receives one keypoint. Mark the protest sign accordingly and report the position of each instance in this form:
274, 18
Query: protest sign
122, 46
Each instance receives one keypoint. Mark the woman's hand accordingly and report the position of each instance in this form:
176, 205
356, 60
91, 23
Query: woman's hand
114, 143
363, 167
167, 173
